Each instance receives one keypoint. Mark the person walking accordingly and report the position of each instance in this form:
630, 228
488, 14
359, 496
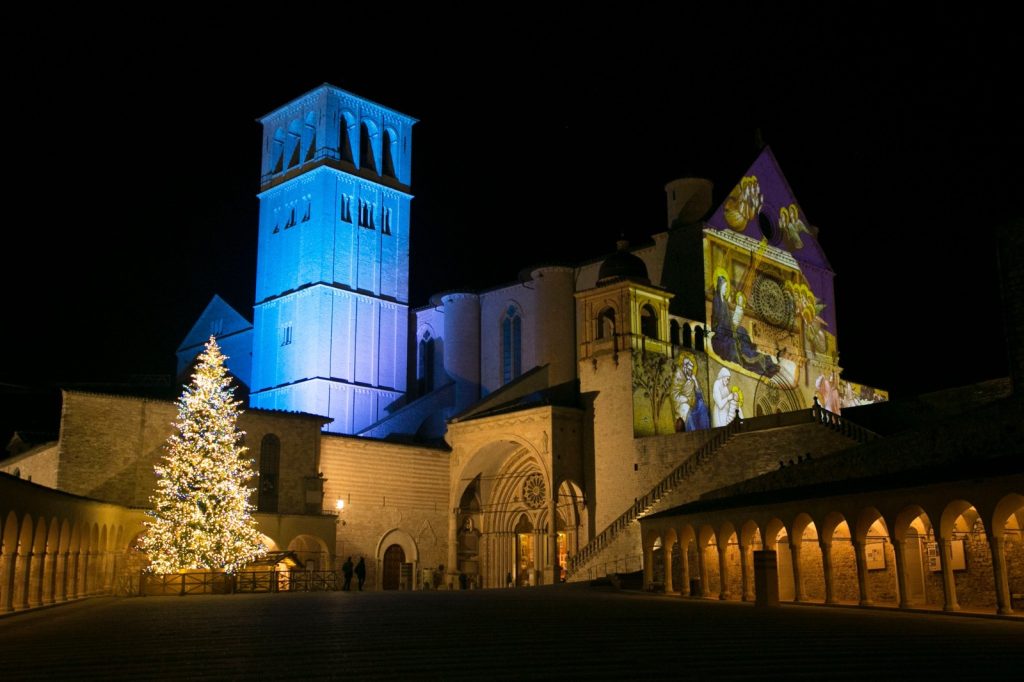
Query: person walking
361, 572
346, 569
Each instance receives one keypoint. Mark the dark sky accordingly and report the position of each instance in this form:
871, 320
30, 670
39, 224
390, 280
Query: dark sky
131, 199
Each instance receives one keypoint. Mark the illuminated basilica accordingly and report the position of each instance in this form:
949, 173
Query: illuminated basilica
651, 410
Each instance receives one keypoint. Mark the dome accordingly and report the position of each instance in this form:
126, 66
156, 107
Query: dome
623, 265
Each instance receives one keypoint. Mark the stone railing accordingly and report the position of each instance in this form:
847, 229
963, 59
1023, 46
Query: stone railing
838, 423
642, 505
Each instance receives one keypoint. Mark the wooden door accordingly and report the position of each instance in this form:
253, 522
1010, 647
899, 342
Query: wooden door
394, 557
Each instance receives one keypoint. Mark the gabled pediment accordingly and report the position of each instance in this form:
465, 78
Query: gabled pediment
217, 319
762, 205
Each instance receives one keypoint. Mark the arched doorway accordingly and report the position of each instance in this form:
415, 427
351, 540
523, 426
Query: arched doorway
310, 551
525, 556
394, 557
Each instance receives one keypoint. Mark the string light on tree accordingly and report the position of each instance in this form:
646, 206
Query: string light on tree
202, 517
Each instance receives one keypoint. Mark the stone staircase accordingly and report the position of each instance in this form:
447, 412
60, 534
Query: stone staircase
740, 451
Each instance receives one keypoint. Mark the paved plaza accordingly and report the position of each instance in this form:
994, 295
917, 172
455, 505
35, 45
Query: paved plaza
565, 632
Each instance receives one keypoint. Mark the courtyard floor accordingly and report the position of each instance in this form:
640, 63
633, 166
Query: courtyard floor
564, 632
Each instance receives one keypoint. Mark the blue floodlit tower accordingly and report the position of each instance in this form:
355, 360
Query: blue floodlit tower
332, 274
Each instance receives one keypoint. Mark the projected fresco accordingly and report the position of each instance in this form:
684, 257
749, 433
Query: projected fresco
770, 315
670, 395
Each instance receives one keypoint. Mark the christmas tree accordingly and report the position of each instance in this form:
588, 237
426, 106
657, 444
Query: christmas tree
201, 517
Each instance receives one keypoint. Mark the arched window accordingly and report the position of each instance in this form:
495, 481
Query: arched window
687, 335
648, 321
673, 332
606, 323
277, 151
345, 132
390, 152
270, 466
293, 143
698, 341
511, 345
425, 371
309, 136
367, 135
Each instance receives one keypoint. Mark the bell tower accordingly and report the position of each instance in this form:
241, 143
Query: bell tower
622, 322
332, 274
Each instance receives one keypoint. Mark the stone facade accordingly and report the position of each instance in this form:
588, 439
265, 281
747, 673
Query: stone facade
38, 465
392, 494
109, 445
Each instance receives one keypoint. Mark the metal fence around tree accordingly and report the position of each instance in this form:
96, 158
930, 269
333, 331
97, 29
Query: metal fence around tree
217, 582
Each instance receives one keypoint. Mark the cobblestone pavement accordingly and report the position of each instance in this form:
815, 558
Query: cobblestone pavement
566, 632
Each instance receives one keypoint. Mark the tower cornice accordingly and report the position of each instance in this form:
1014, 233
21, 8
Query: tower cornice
364, 105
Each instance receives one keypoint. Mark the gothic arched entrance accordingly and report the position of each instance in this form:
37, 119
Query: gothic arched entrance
394, 557
525, 553
773, 396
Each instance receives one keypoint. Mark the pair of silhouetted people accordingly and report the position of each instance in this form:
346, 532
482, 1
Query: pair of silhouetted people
360, 571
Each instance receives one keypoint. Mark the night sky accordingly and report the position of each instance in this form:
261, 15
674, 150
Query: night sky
131, 199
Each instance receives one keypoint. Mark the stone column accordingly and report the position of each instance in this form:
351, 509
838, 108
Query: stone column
648, 566
702, 569
22, 579
7, 582
498, 559
96, 568
826, 567
862, 573
60, 584
35, 581
539, 560
798, 582
74, 558
493, 560
504, 562
508, 555
667, 551
551, 565
83, 574
49, 595
899, 549
998, 547
948, 582
684, 564
452, 569
108, 571
746, 582
723, 571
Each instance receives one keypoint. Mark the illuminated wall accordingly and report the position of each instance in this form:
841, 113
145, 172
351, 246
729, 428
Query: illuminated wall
331, 317
770, 302
670, 394
771, 341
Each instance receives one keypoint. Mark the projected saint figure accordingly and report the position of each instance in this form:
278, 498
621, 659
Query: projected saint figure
727, 400
732, 341
691, 410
